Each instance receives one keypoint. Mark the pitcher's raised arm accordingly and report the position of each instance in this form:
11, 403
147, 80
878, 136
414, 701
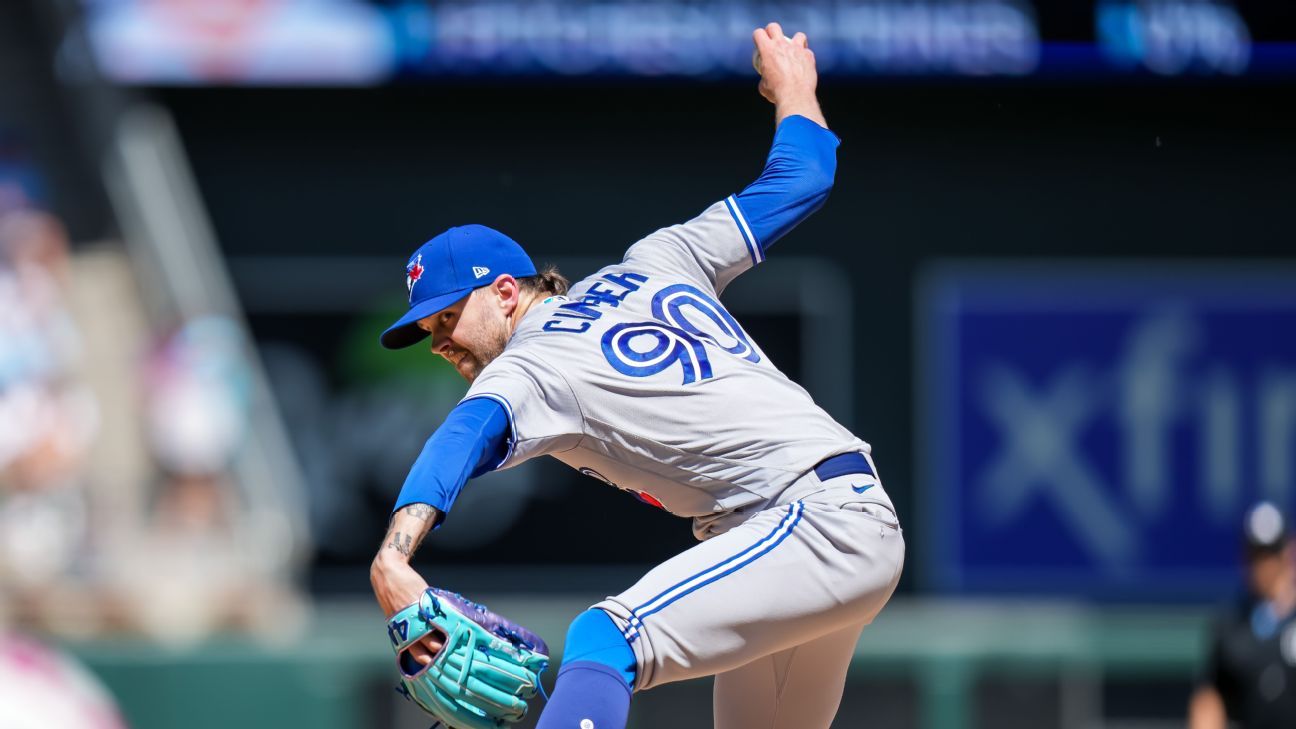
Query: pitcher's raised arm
734, 234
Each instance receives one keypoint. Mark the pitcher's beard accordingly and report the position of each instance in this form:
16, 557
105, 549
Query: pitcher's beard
475, 359
469, 367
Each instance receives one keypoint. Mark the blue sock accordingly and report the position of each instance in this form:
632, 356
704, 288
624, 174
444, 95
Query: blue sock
594, 683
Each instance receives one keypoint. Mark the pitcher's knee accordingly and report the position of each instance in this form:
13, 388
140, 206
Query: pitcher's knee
594, 636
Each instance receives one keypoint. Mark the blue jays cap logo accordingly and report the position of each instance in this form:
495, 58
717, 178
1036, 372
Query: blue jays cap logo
413, 272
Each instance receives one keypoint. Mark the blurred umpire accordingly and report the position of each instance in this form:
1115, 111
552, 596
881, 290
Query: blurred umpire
1250, 674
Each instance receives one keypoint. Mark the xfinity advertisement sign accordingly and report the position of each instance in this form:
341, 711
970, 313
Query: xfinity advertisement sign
1099, 430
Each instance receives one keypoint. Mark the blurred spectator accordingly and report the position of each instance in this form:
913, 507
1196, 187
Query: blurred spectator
201, 562
118, 501
1250, 673
42, 689
48, 416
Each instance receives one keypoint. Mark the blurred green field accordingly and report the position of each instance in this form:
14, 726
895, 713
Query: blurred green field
928, 664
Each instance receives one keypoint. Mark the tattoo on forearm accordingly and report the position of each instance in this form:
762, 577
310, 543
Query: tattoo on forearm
402, 543
406, 536
420, 511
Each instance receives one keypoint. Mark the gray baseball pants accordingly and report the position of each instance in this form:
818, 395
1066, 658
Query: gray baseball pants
773, 606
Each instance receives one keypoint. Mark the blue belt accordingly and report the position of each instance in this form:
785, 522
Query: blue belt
843, 465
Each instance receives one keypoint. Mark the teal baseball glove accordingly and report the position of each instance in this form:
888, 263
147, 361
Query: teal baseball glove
485, 673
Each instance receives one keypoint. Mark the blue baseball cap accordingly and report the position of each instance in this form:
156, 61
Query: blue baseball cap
448, 268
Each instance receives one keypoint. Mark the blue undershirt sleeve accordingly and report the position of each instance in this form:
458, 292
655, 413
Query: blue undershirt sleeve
473, 440
798, 175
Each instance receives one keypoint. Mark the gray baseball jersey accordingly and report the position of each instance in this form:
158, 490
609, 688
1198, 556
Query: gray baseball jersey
641, 378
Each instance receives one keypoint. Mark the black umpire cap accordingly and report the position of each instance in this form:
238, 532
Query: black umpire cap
1265, 530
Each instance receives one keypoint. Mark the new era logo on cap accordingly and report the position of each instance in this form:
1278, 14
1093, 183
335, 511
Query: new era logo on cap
479, 271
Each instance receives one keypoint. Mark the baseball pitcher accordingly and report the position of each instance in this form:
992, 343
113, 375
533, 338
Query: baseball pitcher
638, 376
